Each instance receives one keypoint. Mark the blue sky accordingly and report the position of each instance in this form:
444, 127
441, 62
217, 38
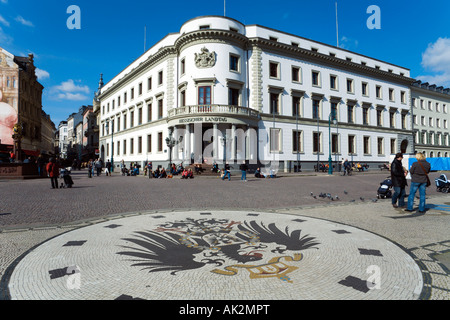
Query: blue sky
414, 34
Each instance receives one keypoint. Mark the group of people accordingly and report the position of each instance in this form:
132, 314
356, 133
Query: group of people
55, 170
95, 167
419, 181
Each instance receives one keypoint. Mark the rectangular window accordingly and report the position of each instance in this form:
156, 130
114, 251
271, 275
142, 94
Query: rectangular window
124, 122
149, 143
149, 112
124, 147
160, 78
350, 114
131, 119
233, 97
139, 116
139, 144
160, 141
392, 118
274, 103
118, 148
132, 94
379, 117
334, 143
366, 145
295, 74
125, 97
317, 144
160, 109
315, 78
204, 95
333, 82
316, 109
365, 111
364, 89
378, 92
391, 95
273, 70
183, 98
297, 145
140, 89
118, 124
131, 145
403, 96
183, 66
350, 86
234, 63
275, 140
380, 145
149, 83
296, 106
393, 146
351, 144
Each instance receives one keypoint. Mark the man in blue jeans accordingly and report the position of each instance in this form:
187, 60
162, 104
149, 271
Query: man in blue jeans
399, 181
244, 168
226, 172
419, 171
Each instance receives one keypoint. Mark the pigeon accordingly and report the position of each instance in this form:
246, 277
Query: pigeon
362, 199
345, 192
374, 200
352, 200
337, 198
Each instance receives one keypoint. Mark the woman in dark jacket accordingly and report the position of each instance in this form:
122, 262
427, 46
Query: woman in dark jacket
399, 181
419, 171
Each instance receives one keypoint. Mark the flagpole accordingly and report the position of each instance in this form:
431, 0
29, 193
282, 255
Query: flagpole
224, 8
337, 25
145, 38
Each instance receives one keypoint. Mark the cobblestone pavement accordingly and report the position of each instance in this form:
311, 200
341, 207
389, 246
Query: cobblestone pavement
261, 239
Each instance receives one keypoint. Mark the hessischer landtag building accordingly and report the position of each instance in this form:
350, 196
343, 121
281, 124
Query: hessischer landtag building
219, 90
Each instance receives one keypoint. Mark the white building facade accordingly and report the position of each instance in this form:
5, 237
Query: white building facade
223, 91
431, 119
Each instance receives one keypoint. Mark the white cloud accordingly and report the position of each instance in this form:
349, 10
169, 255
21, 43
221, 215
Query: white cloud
69, 90
4, 21
42, 74
436, 59
348, 43
4, 1
27, 23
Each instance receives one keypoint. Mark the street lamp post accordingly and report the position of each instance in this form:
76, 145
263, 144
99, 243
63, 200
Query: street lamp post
330, 161
171, 142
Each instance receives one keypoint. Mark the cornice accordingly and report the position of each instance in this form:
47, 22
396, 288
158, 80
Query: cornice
211, 35
320, 58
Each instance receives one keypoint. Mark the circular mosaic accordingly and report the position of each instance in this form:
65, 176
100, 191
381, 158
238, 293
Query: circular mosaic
226, 255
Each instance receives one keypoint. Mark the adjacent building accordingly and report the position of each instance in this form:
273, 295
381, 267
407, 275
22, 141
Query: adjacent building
431, 119
219, 90
21, 103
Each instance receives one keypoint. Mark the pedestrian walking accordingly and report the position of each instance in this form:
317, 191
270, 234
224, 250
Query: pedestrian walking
244, 169
40, 162
226, 172
53, 172
90, 168
398, 178
419, 181
108, 168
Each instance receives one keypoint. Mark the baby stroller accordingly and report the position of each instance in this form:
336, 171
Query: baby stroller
68, 182
385, 189
442, 184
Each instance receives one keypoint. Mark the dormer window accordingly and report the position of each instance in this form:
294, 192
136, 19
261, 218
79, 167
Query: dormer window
205, 27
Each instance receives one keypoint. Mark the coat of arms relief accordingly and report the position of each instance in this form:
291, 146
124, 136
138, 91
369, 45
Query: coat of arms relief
205, 59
